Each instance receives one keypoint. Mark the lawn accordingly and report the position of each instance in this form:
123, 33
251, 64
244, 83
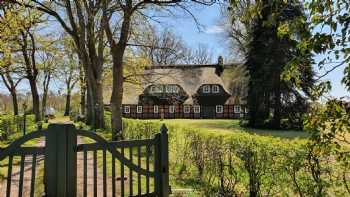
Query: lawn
231, 126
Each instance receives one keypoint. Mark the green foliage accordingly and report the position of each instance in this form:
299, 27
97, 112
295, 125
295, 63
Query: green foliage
218, 163
12, 126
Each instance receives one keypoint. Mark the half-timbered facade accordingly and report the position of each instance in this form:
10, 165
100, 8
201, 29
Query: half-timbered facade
182, 91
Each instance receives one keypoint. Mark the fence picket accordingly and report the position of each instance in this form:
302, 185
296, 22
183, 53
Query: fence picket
21, 176
9, 176
32, 181
60, 167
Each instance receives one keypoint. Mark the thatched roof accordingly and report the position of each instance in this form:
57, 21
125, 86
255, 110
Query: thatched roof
190, 79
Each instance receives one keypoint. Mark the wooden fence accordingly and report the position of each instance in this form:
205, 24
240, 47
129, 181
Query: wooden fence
129, 168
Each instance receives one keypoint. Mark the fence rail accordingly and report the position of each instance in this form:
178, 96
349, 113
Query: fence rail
125, 168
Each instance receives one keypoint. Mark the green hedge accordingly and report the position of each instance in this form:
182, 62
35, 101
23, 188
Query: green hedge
242, 164
12, 126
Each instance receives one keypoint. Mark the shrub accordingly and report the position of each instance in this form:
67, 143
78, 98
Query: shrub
242, 164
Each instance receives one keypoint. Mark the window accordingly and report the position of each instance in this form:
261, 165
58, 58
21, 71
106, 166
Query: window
187, 109
206, 89
168, 89
171, 109
246, 110
219, 109
197, 109
127, 109
155, 109
156, 89
216, 89
237, 109
241, 115
171, 89
139, 109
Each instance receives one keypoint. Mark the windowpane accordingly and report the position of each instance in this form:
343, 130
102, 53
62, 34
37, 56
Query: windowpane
155, 109
127, 109
206, 89
171, 109
216, 89
187, 109
219, 109
197, 109
139, 109
237, 109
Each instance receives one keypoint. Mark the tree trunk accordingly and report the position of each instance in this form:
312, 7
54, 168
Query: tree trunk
35, 99
14, 102
82, 82
67, 109
276, 121
43, 104
117, 53
116, 100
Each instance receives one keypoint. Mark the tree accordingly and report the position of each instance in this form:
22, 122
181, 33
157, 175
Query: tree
20, 24
270, 53
83, 22
126, 10
69, 72
11, 81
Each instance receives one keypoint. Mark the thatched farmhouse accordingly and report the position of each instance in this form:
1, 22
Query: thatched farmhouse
183, 91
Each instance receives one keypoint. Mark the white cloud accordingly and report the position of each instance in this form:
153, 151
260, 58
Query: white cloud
214, 30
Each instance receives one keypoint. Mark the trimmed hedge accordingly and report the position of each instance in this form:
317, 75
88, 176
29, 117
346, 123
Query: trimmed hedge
242, 164
11, 126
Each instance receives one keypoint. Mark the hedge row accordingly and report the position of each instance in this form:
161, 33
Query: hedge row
11, 125
241, 164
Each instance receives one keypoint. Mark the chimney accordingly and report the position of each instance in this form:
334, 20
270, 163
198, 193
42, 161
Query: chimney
220, 66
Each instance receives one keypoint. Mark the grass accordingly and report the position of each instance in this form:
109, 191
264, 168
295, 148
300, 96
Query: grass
230, 126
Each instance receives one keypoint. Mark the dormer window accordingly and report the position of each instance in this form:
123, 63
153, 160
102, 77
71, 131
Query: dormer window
216, 89
206, 89
171, 89
156, 89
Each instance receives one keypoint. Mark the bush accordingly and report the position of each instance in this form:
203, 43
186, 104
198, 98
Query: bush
242, 164
10, 125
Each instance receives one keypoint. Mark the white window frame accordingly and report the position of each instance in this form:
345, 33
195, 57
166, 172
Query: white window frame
127, 109
168, 89
197, 109
219, 109
153, 89
246, 110
206, 89
215, 89
156, 89
237, 109
155, 109
187, 109
139, 109
171, 109
175, 89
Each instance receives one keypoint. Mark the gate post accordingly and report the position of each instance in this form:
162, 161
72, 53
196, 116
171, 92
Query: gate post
162, 187
61, 161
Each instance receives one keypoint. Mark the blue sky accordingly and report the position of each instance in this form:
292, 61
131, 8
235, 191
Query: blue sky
211, 35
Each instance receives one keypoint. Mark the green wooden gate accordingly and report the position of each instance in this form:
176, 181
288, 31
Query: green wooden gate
71, 168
